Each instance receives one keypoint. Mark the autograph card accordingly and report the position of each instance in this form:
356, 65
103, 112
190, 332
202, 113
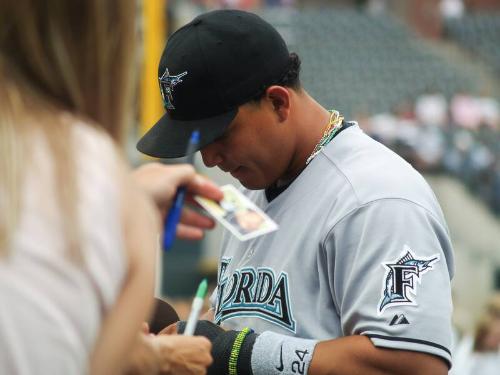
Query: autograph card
238, 214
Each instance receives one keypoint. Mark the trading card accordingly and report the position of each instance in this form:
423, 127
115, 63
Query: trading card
238, 214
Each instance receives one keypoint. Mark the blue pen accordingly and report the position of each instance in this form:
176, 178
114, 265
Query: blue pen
174, 214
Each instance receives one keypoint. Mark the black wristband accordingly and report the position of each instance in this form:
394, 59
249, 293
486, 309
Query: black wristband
203, 328
221, 352
244, 366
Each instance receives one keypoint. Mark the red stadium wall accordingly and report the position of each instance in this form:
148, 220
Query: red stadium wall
482, 4
425, 17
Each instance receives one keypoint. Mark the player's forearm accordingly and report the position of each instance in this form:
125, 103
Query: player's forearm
357, 355
272, 353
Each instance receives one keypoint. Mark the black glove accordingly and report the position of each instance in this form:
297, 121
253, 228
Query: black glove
163, 315
222, 344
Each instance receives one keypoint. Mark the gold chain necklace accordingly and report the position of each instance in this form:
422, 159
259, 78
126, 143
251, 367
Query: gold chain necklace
332, 128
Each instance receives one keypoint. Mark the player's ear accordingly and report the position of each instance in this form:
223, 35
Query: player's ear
279, 97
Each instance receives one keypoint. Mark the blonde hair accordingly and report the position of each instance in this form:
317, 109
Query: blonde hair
60, 56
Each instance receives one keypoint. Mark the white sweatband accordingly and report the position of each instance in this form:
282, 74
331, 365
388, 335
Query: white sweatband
281, 355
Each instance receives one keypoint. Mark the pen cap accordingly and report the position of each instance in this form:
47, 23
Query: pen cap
202, 289
192, 147
195, 137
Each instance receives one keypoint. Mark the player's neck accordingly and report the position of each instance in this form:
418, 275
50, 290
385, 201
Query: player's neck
311, 119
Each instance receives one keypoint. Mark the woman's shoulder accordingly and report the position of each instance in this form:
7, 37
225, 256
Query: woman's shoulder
88, 137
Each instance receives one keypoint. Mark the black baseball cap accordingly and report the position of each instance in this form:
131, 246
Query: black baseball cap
217, 62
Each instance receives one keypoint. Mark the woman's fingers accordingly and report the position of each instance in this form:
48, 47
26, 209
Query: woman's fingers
200, 185
192, 218
161, 182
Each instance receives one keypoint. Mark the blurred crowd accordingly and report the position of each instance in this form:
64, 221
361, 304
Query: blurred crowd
459, 136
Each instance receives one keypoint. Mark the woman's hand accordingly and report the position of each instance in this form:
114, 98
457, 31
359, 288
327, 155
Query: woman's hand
183, 355
161, 182
169, 355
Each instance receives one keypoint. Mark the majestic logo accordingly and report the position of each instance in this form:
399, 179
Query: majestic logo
401, 278
399, 319
167, 84
254, 292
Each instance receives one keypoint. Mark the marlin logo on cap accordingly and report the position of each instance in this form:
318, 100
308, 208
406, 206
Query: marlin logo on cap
167, 84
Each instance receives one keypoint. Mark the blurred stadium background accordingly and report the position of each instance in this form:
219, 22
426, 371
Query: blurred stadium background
421, 76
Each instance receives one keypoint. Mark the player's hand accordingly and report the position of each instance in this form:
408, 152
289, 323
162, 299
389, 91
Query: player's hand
161, 181
208, 315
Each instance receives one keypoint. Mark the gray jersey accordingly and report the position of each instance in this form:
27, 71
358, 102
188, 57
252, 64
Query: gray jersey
362, 249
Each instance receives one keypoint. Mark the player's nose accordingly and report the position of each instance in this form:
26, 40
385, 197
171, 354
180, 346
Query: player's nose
211, 155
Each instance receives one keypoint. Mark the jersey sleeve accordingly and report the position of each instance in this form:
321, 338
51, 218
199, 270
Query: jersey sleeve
392, 265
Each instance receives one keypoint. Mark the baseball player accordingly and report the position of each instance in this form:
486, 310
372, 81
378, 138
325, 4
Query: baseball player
357, 278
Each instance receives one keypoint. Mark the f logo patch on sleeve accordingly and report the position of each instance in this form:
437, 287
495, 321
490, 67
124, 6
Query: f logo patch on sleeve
401, 277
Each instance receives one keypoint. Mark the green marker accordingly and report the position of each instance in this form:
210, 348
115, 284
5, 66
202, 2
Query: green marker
196, 308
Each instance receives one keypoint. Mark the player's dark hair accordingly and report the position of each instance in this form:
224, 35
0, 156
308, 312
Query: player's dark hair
290, 78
